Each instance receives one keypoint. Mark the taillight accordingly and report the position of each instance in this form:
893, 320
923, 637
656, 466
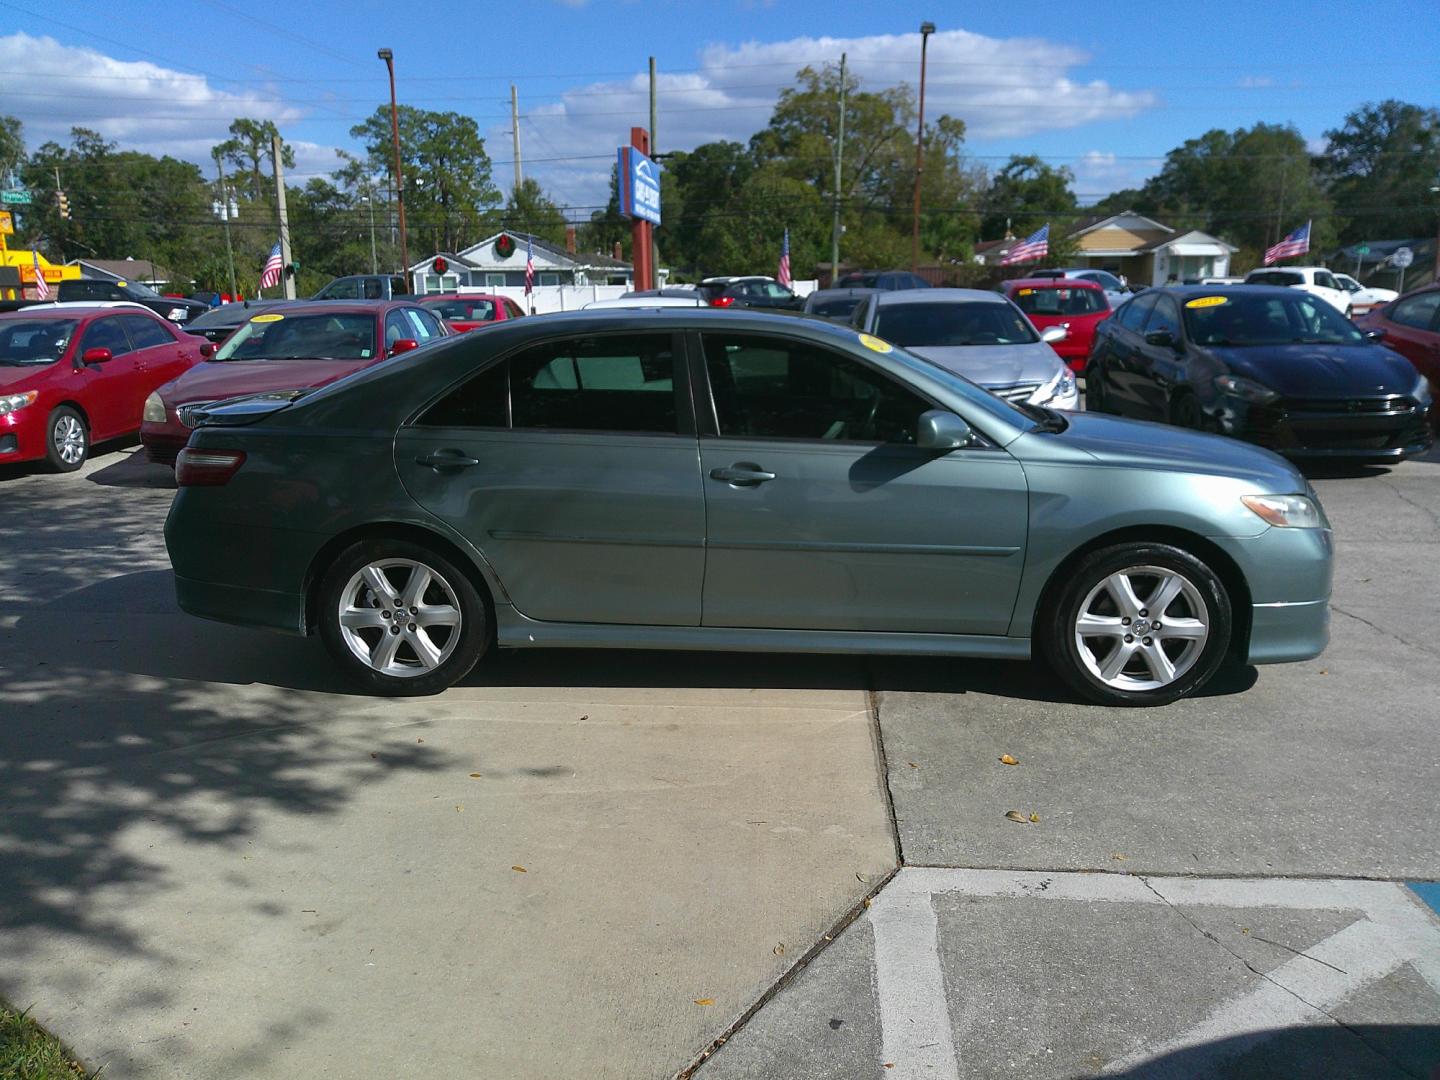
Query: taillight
207, 468
722, 301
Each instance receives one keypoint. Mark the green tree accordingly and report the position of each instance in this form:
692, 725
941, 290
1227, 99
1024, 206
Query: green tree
692, 185
746, 237
530, 210
12, 146
1380, 165
449, 193
247, 150
1026, 193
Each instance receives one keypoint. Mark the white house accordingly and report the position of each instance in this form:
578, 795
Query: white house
498, 261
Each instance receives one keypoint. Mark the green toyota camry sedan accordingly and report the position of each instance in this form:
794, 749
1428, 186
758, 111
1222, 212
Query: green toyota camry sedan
695, 479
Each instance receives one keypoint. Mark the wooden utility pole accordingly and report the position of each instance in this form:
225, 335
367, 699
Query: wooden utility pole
225, 217
388, 55
287, 279
839, 159
515, 133
926, 29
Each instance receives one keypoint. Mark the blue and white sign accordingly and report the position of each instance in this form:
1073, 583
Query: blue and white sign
639, 186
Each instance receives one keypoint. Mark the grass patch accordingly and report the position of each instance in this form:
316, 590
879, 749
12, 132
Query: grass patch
29, 1052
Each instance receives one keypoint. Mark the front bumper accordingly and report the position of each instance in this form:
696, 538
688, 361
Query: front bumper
1281, 633
1374, 430
22, 435
1288, 573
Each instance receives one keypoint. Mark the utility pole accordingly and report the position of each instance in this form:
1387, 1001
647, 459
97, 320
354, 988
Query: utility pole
515, 133
388, 56
654, 243
225, 217
926, 29
839, 160
61, 213
370, 202
287, 279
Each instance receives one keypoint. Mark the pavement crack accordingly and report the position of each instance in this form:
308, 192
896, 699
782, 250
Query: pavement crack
1385, 483
1388, 633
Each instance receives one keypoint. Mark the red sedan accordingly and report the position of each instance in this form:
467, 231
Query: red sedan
297, 347
1078, 306
1411, 326
78, 373
467, 311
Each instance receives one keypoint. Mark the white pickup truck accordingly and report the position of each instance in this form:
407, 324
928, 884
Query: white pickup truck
1312, 279
1364, 300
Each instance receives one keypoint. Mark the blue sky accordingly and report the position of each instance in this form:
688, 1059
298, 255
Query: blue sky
1105, 87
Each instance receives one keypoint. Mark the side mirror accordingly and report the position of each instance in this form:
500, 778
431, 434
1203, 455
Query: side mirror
207, 350
1374, 337
1051, 334
1162, 339
404, 345
96, 356
941, 430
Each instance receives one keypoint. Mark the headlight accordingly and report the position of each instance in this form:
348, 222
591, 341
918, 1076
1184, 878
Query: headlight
15, 402
1063, 385
1422, 392
1286, 511
154, 410
1246, 389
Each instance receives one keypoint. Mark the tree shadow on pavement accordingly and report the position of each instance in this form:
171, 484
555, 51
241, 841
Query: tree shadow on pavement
1339, 1049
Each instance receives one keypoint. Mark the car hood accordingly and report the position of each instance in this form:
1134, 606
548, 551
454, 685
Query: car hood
996, 365
1137, 443
15, 379
1322, 371
233, 378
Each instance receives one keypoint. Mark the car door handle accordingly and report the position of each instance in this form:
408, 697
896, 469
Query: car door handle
742, 474
447, 459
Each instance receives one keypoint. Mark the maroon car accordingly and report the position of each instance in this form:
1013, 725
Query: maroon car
295, 348
1411, 326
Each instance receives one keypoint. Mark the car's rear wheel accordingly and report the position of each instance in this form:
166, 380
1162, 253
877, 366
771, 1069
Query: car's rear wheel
400, 618
67, 442
1138, 624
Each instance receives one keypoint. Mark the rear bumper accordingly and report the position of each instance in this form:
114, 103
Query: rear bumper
241, 606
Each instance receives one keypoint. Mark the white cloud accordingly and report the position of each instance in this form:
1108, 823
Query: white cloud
1255, 82
1002, 88
1099, 172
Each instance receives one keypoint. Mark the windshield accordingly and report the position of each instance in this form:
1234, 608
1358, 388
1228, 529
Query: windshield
329, 336
979, 322
476, 310
1274, 277
1290, 318
140, 292
1060, 301
34, 341
839, 307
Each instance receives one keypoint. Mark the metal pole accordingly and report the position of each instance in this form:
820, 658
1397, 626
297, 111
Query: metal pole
839, 159
225, 217
59, 221
515, 133
654, 243
287, 279
926, 29
389, 57
370, 202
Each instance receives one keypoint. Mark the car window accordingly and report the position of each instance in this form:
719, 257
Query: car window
423, 326
302, 336
146, 333
835, 308
482, 401
1164, 316
620, 383
1274, 277
1133, 315
1348, 283
395, 329
1104, 279
1325, 279
776, 388
973, 322
340, 290
106, 334
515, 310
1417, 311
1059, 301
34, 341
776, 291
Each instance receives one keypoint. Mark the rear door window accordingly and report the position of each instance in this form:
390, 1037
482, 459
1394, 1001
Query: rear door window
146, 333
1417, 311
1133, 315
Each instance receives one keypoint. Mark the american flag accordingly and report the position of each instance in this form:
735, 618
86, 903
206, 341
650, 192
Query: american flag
270, 272
42, 287
1297, 243
1034, 246
783, 274
529, 264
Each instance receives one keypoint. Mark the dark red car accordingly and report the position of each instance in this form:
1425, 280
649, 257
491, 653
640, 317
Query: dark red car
1078, 306
466, 311
297, 347
75, 374
1411, 326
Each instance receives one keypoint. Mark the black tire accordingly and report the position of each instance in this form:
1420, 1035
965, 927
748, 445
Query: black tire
67, 440
1095, 390
1185, 411
1057, 631
448, 581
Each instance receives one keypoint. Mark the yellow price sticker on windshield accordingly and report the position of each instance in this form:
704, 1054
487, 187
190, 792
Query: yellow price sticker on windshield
1208, 301
268, 317
1026, 292
876, 344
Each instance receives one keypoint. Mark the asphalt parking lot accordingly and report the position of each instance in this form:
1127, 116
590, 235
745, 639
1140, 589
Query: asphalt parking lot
219, 863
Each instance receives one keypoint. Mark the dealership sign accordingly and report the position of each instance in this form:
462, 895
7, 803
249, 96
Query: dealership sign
639, 186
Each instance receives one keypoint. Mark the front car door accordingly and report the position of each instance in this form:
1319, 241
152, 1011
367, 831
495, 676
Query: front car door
823, 514
109, 387
572, 466
1412, 328
1158, 367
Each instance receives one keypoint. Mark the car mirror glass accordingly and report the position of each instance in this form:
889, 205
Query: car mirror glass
941, 430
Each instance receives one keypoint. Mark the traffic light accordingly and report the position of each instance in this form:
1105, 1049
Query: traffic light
63, 202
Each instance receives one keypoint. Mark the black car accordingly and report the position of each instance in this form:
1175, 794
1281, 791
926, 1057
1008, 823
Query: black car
885, 280
756, 291
837, 305
365, 287
219, 323
1270, 365
175, 308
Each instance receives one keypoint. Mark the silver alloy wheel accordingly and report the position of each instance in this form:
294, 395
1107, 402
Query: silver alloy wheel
399, 617
1133, 642
68, 435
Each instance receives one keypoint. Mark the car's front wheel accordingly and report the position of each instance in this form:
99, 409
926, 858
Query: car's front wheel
68, 442
1138, 624
401, 618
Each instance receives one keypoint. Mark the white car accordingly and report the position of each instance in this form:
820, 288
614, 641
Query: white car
1315, 280
646, 302
1364, 300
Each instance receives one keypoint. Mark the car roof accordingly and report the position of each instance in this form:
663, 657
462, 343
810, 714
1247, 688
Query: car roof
939, 296
77, 309
1190, 292
1054, 283
436, 296
843, 291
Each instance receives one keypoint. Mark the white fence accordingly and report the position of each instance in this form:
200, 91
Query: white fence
548, 298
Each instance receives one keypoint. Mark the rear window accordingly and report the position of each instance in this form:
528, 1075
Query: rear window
1060, 301
477, 310
1275, 277
838, 308
944, 325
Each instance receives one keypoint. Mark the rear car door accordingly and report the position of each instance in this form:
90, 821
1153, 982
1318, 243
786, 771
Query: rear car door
111, 392
160, 354
823, 514
572, 465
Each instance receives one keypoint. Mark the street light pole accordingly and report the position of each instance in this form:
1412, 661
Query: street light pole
926, 29
389, 57
225, 217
